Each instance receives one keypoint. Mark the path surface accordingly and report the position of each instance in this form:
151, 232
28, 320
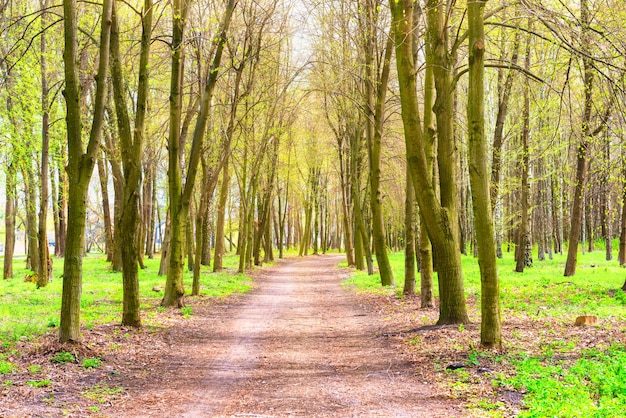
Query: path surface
298, 345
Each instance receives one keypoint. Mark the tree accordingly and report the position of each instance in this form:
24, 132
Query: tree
440, 218
180, 196
131, 146
491, 326
80, 161
376, 80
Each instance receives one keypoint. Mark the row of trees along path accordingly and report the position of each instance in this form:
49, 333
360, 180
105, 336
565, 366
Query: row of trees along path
319, 152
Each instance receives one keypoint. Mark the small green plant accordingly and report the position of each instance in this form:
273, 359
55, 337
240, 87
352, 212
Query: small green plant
94, 408
7, 367
63, 357
461, 328
92, 363
102, 392
416, 341
8, 383
39, 383
186, 311
34, 368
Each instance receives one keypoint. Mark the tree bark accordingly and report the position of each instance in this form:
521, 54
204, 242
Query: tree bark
80, 163
179, 196
131, 145
32, 230
440, 219
106, 208
219, 250
491, 323
43, 273
409, 237
375, 94
9, 221
582, 162
521, 253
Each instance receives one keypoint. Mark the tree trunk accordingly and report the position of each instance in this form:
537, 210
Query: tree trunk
9, 221
32, 230
60, 206
523, 232
440, 219
43, 273
581, 151
131, 145
106, 209
375, 118
221, 218
80, 163
409, 237
491, 324
180, 196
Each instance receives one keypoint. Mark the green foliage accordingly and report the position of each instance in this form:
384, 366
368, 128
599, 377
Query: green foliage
39, 383
593, 386
63, 357
28, 311
186, 311
34, 368
7, 367
92, 363
102, 392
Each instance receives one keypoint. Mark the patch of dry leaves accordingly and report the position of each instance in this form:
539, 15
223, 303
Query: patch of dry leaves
127, 354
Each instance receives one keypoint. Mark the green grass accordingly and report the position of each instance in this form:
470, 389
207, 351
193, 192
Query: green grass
541, 291
27, 311
559, 378
594, 386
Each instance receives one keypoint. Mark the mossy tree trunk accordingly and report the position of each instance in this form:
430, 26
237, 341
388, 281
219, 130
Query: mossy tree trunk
180, 196
409, 237
376, 81
131, 147
440, 217
43, 272
491, 324
80, 162
10, 211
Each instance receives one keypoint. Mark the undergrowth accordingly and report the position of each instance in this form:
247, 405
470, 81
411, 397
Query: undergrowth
545, 359
27, 311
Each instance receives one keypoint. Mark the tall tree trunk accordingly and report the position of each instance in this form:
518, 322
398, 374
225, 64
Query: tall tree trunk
374, 135
32, 230
491, 324
131, 145
180, 196
524, 227
106, 208
425, 253
621, 257
43, 273
9, 221
80, 163
409, 237
581, 150
221, 219
61, 208
440, 219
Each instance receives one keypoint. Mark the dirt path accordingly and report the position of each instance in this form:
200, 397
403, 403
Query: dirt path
298, 345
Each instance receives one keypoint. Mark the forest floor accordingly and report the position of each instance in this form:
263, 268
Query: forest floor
299, 344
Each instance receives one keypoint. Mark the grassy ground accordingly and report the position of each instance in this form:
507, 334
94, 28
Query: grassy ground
26, 311
547, 367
